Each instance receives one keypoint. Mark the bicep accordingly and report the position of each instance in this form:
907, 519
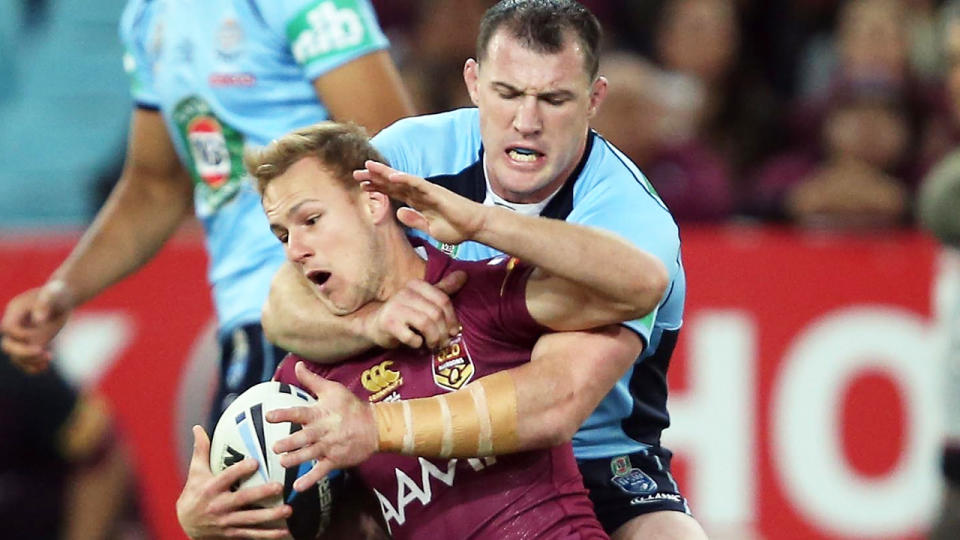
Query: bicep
368, 91
562, 305
150, 150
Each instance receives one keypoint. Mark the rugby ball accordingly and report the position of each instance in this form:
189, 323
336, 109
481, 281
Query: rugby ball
243, 431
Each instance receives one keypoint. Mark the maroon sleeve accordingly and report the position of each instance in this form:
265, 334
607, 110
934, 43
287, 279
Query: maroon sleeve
513, 315
286, 372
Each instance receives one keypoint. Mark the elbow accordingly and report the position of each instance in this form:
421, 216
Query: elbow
268, 320
646, 292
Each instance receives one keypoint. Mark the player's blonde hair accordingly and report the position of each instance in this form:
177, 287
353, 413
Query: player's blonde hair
341, 148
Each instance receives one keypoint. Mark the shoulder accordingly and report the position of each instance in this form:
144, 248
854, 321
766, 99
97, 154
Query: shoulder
434, 144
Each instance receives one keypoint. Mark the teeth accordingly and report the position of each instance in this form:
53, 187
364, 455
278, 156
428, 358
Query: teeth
519, 155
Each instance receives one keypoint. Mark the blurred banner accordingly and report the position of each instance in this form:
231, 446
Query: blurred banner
805, 393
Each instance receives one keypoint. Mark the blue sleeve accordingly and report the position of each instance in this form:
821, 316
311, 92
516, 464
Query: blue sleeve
624, 203
323, 35
136, 36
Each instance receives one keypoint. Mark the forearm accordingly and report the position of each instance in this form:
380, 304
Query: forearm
535, 405
139, 216
602, 262
295, 320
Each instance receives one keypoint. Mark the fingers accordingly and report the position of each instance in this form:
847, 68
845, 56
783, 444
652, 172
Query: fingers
309, 379
232, 502
201, 447
257, 516
439, 295
300, 439
233, 474
29, 357
413, 219
319, 471
300, 455
452, 282
297, 415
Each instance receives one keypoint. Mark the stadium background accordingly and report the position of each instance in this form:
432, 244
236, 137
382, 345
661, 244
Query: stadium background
807, 392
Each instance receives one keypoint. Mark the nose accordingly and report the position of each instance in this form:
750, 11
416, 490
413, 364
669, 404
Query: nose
527, 119
297, 250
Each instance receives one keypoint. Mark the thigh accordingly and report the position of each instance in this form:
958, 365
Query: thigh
627, 486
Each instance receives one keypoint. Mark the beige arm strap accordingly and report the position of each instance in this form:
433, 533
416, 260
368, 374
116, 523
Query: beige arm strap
478, 420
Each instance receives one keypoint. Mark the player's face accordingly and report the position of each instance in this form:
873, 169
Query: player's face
327, 231
534, 114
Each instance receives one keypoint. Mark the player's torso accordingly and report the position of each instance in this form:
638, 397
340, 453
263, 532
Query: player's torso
461, 498
639, 398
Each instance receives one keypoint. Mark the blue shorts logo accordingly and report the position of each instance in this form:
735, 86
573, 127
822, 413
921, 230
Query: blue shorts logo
629, 479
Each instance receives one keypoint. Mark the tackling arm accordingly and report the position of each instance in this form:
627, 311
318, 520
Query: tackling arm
536, 405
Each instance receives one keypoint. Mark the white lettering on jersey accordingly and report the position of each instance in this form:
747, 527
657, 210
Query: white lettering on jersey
329, 29
408, 490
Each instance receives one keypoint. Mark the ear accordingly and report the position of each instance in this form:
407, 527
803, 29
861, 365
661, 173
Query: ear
377, 206
598, 92
471, 77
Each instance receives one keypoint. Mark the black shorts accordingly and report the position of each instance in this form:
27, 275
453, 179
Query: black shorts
246, 358
624, 487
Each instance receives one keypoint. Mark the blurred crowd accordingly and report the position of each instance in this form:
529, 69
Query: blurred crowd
823, 113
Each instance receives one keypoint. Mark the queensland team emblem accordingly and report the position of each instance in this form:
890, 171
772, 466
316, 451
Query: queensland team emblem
452, 365
380, 381
209, 149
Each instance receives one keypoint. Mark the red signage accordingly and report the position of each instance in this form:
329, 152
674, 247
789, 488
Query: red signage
804, 391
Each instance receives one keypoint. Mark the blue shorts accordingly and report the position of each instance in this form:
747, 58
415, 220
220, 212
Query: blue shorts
627, 486
246, 358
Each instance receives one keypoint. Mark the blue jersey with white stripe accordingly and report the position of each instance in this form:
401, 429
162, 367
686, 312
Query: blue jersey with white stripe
230, 73
607, 191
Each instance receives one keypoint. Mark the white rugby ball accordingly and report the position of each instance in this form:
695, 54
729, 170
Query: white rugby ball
243, 431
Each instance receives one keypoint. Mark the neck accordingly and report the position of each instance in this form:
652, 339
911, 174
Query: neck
401, 261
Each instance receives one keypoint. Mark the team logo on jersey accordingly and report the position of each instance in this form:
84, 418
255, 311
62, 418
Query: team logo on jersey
629, 479
230, 39
452, 365
380, 381
214, 153
326, 28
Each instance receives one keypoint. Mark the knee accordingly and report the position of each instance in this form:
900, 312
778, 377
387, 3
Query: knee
664, 525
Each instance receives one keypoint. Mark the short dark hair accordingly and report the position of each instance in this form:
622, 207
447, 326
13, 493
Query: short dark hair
542, 26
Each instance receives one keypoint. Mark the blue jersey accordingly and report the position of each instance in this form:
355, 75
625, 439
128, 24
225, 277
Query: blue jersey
607, 191
230, 73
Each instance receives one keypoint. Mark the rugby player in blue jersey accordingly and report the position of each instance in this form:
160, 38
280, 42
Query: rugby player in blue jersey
528, 146
209, 79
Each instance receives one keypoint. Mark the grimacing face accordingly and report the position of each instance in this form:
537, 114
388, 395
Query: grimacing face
534, 114
328, 233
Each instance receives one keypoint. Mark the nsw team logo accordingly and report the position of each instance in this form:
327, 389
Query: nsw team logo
630, 479
452, 365
380, 381
209, 149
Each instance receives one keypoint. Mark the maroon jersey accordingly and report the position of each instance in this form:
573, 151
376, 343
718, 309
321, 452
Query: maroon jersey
535, 494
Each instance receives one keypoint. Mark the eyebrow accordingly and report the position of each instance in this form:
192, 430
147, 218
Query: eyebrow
552, 94
293, 209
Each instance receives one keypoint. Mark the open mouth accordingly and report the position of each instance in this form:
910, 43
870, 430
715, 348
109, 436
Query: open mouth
523, 155
318, 277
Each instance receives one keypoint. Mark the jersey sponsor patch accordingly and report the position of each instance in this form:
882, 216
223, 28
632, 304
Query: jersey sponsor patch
327, 28
630, 479
380, 381
214, 152
452, 365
